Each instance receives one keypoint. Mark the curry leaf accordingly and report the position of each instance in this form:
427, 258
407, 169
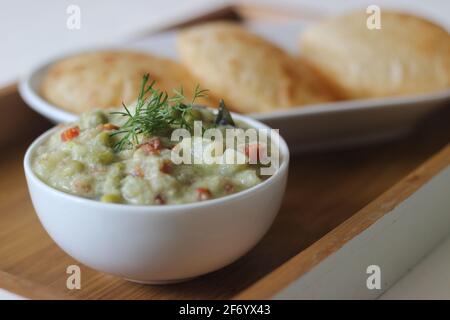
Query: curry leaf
224, 116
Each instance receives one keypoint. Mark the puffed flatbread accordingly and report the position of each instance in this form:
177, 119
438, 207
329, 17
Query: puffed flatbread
407, 55
248, 72
105, 79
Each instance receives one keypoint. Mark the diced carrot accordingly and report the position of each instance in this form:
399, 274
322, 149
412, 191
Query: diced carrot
159, 199
203, 194
254, 152
151, 147
166, 167
70, 133
228, 187
138, 172
109, 126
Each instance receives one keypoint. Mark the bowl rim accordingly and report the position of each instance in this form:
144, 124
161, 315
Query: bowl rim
283, 167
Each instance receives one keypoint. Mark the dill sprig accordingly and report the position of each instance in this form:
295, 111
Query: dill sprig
155, 114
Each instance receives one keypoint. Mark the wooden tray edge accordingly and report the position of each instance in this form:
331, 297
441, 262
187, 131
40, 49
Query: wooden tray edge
306, 260
28, 289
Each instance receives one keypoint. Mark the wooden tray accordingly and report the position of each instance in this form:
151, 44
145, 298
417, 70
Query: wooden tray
332, 200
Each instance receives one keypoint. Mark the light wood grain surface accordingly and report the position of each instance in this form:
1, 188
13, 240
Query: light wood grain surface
26, 289
323, 191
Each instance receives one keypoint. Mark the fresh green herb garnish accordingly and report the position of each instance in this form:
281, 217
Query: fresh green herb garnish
155, 114
158, 114
224, 116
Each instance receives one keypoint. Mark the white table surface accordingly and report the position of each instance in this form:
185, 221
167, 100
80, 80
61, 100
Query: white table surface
32, 31
6, 295
430, 279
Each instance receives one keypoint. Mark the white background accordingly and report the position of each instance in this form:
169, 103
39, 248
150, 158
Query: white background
31, 31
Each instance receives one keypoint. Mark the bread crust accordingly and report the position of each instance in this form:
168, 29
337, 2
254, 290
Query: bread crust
250, 73
105, 79
408, 55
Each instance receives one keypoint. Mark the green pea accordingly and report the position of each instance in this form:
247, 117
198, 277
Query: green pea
111, 198
105, 157
118, 167
93, 119
192, 115
72, 167
196, 114
104, 138
176, 113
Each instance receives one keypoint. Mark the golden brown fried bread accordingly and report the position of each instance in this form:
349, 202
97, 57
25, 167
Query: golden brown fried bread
105, 79
248, 72
407, 55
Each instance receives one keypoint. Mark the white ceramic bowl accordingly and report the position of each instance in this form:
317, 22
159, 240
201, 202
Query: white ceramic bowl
158, 244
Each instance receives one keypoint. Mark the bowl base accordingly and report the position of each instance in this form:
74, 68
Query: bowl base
160, 282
